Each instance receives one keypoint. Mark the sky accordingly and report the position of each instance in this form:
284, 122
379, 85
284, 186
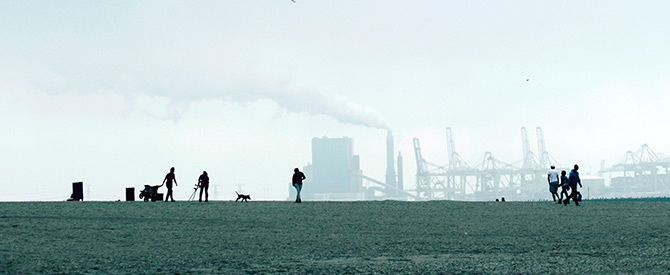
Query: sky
114, 93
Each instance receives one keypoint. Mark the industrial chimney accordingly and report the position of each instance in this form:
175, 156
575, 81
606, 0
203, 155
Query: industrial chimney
390, 164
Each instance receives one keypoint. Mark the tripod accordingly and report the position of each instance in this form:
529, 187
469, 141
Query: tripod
195, 191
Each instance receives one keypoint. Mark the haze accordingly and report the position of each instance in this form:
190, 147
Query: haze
115, 93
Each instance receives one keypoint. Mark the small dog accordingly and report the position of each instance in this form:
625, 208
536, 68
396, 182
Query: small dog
244, 198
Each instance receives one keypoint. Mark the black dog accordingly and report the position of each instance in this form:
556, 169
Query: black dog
244, 198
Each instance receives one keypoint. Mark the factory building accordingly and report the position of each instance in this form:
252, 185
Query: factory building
335, 168
334, 173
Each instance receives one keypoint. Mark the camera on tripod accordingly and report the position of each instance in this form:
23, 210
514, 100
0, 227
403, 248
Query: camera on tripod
195, 190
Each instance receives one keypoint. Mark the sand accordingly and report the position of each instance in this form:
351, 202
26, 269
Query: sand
384, 237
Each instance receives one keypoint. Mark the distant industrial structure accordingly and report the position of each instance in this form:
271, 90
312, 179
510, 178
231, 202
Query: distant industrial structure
639, 173
333, 171
490, 178
335, 174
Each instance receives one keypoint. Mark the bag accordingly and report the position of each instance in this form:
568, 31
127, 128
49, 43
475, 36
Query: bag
579, 196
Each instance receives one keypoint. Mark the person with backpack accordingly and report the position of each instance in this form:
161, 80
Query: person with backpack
573, 180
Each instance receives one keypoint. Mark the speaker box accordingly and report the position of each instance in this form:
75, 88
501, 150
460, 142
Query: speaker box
78, 191
130, 194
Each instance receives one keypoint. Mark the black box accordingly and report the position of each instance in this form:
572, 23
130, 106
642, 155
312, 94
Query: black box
130, 194
78, 191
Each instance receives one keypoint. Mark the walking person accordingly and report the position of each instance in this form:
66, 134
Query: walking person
564, 186
573, 180
203, 182
552, 178
169, 178
298, 177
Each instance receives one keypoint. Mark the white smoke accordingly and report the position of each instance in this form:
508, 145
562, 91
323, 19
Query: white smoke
293, 101
337, 107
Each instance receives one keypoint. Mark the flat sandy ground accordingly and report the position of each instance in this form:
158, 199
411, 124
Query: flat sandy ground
334, 237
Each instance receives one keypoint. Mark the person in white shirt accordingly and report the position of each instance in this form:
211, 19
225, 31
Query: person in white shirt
552, 178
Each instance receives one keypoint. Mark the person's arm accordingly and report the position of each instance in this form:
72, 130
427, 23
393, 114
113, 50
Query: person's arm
580, 182
164, 180
548, 178
175, 181
303, 176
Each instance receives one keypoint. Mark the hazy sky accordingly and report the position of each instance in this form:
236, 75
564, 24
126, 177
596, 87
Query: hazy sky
115, 93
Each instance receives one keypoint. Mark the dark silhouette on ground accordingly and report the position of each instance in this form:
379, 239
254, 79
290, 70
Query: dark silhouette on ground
573, 180
203, 182
243, 197
150, 193
503, 199
564, 186
130, 193
298, 177
169, 178
552, 178
77, 191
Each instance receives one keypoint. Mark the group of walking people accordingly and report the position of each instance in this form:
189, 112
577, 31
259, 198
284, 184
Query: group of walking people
566, 183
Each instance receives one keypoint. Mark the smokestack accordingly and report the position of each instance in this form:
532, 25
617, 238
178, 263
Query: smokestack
390, 165
400, 175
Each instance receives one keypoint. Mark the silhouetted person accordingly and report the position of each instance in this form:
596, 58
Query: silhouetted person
503, 199
497, 200
552, 178
203, 182
573, 180
564, 186
298, 177
169, 178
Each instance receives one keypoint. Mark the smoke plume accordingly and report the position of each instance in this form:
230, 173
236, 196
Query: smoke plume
300, 101
336, 107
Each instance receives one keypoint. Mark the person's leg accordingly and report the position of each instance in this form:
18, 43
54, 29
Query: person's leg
200, 198
169, 192
562, 192
206, 192
298, 187
573, 195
